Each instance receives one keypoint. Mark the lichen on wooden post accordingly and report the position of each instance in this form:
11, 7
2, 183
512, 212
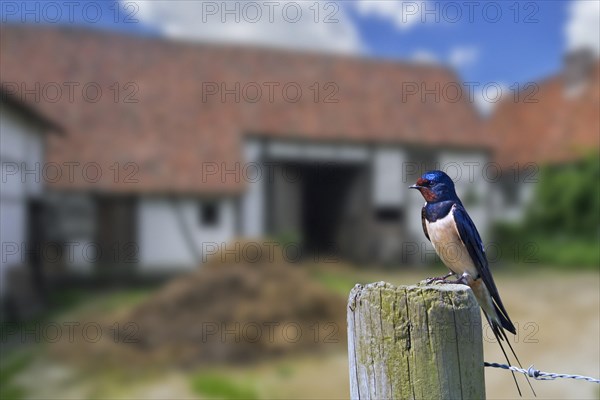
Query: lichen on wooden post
415, 342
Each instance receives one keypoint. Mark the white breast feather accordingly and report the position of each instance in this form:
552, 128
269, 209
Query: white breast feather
448, 245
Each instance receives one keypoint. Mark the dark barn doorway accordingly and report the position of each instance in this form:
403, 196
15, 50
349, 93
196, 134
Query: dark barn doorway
324, 204
326, 192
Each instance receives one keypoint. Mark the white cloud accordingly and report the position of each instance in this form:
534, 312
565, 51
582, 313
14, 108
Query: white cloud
487, 97
424, 57
403, 14
463, 56
287, 24
583, 25
458, 57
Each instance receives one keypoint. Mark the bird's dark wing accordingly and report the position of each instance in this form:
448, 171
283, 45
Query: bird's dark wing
472, 241
424, 223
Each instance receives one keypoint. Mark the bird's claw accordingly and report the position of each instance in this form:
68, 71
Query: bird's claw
438, 279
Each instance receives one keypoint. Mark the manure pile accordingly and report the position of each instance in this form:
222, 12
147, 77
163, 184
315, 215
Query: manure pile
239, 312
228, 312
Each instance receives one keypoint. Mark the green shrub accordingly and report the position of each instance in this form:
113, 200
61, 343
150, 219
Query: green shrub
562, 224
567, 200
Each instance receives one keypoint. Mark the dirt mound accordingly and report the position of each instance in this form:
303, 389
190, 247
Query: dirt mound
226, 311
239, 312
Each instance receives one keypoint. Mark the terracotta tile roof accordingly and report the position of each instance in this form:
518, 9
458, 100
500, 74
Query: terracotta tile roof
171, 131
558, 127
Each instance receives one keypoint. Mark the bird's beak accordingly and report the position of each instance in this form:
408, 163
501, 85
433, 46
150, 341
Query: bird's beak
415, 186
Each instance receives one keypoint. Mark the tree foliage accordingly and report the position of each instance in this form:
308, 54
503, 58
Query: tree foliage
567, 201
562, 222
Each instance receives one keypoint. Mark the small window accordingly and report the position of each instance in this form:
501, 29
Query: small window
511, 193
389, 214
209, 213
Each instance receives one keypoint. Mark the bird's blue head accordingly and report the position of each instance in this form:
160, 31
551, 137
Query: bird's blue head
435, 186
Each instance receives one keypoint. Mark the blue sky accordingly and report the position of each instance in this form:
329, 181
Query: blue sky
525, 43
506, 51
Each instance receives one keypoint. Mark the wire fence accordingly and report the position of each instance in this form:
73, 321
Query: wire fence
541, 375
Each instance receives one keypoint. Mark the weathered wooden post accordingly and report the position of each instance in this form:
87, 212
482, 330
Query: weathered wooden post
415, 342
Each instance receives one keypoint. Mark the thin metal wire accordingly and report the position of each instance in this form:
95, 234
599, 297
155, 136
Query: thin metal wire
541, 375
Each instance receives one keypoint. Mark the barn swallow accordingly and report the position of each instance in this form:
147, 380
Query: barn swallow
456, 241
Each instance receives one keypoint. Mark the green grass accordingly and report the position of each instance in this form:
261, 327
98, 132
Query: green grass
569, 253
9, 368
552, 253
74, 300
220, 387
125, 298
333, 281
62, 301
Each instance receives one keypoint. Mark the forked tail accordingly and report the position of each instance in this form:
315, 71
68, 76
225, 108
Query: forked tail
500, 335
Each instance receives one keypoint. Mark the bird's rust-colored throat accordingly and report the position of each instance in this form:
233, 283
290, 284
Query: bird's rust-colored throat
422, 186
427, 194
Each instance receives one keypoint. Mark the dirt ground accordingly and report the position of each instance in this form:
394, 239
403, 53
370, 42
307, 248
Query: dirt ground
557, 316
558, 330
